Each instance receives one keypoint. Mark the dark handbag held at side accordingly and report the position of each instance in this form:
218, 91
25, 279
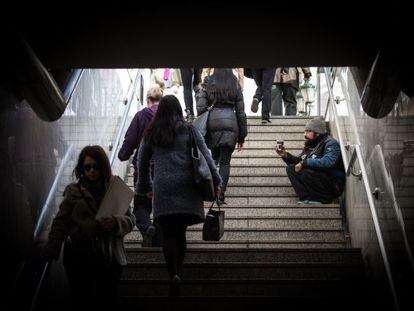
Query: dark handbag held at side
201, 122
213, 228
202, 173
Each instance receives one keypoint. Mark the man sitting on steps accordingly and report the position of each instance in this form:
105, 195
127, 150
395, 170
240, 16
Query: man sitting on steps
317, 174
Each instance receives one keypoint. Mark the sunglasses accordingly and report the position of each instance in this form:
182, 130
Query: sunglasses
88, 167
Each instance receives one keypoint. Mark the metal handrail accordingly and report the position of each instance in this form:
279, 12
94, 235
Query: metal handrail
368, 81
123, 122
72, 84
41, 221
335, 114
357, 154
45, 210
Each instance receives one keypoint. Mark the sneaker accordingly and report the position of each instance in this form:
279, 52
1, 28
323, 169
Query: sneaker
255, 105
303, 202
148, 235
314, 202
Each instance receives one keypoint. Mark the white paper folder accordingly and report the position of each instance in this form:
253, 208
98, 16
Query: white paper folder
116, 200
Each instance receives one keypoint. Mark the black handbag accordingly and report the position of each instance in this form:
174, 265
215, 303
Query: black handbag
213, 228
202, 120
202, 173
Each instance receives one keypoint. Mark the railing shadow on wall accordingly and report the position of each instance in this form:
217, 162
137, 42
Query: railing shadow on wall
377, 223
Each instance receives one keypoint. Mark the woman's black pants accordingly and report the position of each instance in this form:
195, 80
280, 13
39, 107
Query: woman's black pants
174, 246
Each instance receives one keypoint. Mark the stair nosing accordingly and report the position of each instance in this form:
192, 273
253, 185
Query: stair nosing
253, 264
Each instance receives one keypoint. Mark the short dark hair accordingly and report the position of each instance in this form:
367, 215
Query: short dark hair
97, 153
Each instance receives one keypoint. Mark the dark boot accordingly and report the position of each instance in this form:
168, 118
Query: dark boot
174, 290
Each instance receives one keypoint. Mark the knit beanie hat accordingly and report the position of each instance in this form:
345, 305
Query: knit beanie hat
316, 125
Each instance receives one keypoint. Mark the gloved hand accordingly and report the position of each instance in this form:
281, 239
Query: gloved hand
52, 250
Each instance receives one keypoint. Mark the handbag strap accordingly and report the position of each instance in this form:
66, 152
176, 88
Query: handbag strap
193, 146
193, 143
212, 204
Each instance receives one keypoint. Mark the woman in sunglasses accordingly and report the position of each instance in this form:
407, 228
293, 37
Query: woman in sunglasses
94, 251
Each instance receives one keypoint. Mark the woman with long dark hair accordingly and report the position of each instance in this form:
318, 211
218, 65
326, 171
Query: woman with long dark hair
94, 252
227, 122
177, 202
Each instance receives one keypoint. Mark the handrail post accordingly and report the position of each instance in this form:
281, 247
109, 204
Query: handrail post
124, 118
335, 115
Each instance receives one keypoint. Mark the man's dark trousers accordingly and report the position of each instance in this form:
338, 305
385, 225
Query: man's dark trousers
264, 80
312, 185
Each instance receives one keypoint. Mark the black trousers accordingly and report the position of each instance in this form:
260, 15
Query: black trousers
174, 245
191, 77
264, 80
222, 156
312, 185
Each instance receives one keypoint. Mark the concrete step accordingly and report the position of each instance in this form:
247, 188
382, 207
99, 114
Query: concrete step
252, 287
258, 170
263, 200
260, 152
285, 256
275, 136
246, 189
245, 303
289, 144
281, 222
246, 271
250, 160
263, 234
260, 180
254, 244
287, 223
273, 128
280, 120
286, 211
279, 211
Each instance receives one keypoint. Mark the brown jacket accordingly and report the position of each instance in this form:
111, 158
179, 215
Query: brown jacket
76, 219
292, 76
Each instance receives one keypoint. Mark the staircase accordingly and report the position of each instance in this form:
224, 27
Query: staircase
274, 252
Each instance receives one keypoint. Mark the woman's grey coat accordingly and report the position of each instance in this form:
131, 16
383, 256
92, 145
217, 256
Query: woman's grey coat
174, 188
